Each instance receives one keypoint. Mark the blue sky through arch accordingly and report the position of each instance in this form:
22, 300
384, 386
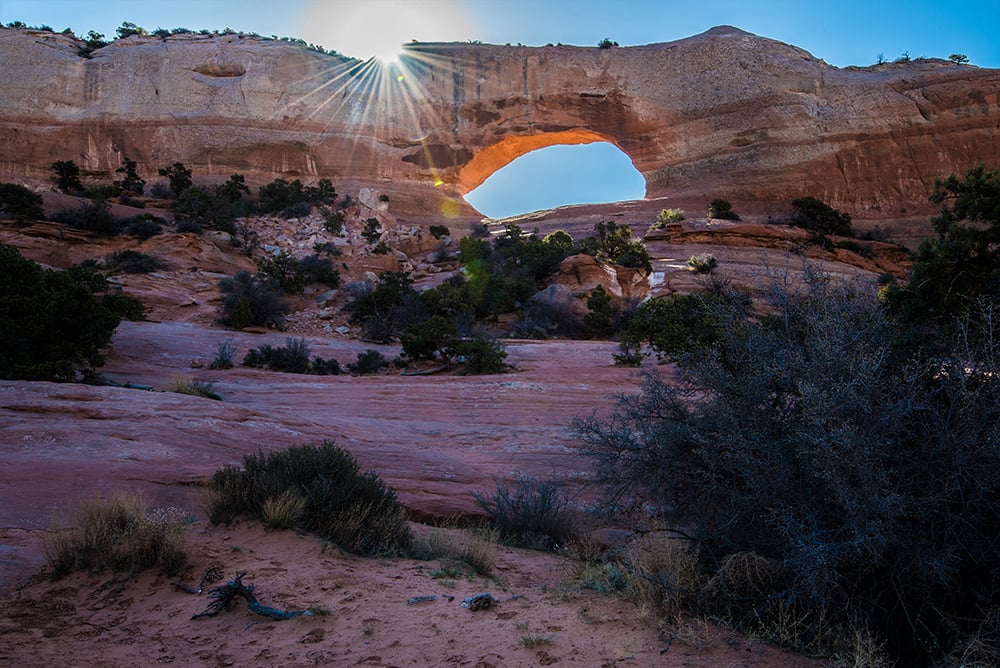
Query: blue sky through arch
558, 176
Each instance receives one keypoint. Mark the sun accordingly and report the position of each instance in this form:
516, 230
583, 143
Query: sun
379, 29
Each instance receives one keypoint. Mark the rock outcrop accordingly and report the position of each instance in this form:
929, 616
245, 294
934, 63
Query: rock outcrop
722, 113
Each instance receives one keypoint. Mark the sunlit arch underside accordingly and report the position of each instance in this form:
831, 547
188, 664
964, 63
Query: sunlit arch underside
499, 155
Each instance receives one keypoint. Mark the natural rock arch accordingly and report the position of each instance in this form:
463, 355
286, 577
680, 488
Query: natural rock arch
497, 156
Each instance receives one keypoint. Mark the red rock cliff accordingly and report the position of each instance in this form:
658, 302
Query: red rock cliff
723, 113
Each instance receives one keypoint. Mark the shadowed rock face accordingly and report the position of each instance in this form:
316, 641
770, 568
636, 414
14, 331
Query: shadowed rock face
723, 113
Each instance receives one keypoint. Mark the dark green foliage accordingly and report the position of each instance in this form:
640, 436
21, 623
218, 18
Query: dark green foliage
315, 269
19, 203
817, 216
352, 509
128, 29
721, 209
208, 208
867, 478
702, 263
529, 512
225, 353
597, 323
54, 324
439, 231
133, 262
179, 177
368, 362
479, 355
372, 231
678, 324
282, 196
334, 222
293, 357
615, 244
131, 182
67, 177
959, 268
388, 308
93, 217
606, 43
428, 339
127, 306
249, 300
232, 190
283, 271
144, 226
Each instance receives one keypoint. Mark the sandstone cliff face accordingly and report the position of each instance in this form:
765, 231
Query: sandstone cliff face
723, 113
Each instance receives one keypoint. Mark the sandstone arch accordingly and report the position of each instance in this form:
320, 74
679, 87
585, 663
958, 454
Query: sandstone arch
497, 156
724, 113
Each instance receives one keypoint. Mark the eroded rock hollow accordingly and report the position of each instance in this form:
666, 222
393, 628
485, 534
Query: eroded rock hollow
723, 113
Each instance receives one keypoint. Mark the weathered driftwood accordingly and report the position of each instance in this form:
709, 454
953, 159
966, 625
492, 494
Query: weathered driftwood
212, 574
224, 595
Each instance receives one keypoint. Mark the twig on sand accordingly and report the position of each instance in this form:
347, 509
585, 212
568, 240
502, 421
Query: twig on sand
224, 595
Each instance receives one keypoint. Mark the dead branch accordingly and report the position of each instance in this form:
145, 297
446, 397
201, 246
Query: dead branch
223, 596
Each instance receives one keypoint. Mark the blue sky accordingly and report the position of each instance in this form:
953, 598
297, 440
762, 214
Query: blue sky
848, 32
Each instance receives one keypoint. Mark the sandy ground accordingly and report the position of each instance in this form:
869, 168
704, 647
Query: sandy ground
542, 615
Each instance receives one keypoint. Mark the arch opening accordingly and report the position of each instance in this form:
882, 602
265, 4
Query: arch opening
524, 174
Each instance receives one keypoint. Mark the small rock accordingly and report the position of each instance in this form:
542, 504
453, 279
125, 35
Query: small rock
479, 602
342, 330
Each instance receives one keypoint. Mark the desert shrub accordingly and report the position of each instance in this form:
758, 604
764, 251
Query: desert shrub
178, 176
614, 243
144, 226
668, 216
19, 203
250, 301
702, 263
721, 209
529, 512
93, 217
862, 477
315, 269
372, 231
283, 271
133, 262
479, 355
439, 231
127, 306
353, 509
388, 308
246, 238
206, 208
131, 182
428, 339
55, 323
186, 226
599, 319
225, 353
293, 357
126, 200
816, 215
284, 196
673, 325
333, 221
117, 534
369, 362
67, 177
284, 511
193, 387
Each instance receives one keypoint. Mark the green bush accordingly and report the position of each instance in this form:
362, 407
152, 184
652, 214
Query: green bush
479, 355
372, 231
225, 353
133, 262
721, 209
20, 203
614, 243
529, 512
131, 182
669, 216
92, 217
178, 176
368, 363
250, 301
862, 479
675, 325
197, 208
702, 263
142, 227
817, 216
388, 308
286, 197
55, 323
428, 339
354, 510
67, 177
439, 231
293, 357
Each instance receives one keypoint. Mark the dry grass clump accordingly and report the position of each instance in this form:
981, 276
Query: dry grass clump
284, 511
117, 534
476, 549
195, 388
355, 510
